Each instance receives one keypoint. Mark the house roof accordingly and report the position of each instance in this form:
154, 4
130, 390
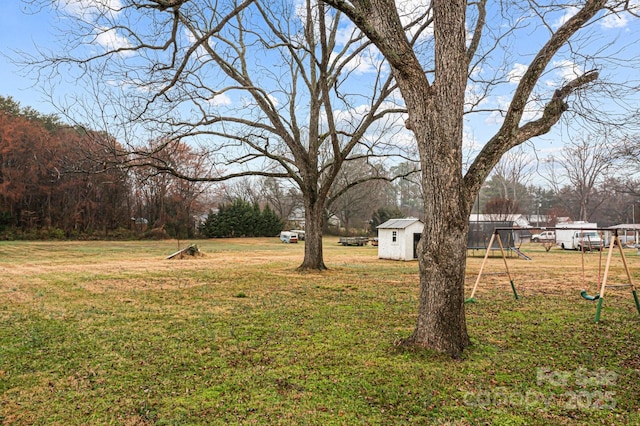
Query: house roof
626, 226
518, 219
398, 223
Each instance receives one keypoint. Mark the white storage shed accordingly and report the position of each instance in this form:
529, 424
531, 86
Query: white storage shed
398, 238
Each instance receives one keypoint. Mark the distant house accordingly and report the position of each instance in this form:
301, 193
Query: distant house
296, 218
629, 233
398, 238
518, 220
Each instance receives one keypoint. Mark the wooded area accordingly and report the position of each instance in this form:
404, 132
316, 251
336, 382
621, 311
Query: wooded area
58, 181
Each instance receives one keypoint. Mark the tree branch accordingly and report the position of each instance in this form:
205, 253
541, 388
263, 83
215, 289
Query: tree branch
510, 134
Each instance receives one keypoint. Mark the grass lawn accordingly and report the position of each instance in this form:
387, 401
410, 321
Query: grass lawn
113, 333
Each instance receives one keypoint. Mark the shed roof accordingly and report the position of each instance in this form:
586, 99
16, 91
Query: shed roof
398, 223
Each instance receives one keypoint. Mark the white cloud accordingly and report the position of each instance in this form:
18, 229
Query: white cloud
567, 70
619, 16
109, 39
497, 116
221, 99
367, 61
93, 11
409, 11
517, 72
475, 95
345, 33
86, 9
615, 21
356, 114
568, 14
273, 99
531, 111
618, 19
360, 66
469, 142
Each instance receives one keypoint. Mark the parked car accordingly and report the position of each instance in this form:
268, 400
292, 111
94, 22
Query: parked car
542, 237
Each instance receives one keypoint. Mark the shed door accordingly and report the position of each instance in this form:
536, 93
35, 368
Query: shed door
416, 239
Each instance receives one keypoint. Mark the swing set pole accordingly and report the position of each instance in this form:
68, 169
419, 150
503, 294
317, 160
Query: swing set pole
506, 266
605, 276
484, 261
600, 297
626, 268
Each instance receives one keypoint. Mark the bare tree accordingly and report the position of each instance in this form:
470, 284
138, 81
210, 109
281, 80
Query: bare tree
514, 172
409, 190
246, 188
501, 209
585, 163
355, 206
628, 154
272, 89
619, 206
171, 205
433, 75
282, 196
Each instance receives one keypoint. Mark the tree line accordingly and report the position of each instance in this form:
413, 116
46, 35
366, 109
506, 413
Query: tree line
59, 181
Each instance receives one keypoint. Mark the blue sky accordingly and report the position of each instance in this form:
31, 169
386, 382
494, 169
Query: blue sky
22, 31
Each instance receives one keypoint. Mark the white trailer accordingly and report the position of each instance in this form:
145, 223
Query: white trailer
579, 236
288, 237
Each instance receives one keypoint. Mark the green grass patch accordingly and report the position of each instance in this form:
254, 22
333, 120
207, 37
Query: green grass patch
113, 333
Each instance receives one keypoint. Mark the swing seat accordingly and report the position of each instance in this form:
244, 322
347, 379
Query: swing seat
584, 295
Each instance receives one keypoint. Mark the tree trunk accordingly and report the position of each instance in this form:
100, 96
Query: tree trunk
442, 250
437, 121
441, 323
314, 221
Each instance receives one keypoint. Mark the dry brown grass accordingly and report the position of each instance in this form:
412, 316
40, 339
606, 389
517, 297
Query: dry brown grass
554, 272
120, 269
125, 266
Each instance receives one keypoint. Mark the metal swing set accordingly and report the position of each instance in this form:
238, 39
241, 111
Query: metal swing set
603, 283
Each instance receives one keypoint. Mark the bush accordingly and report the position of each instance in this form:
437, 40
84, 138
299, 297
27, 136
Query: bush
241, 219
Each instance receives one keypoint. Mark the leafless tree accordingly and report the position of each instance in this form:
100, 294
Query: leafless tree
409, 189
435, 74
628, 155
514, 172
355, 206
270, 89
245, 188
283, 198
585, 163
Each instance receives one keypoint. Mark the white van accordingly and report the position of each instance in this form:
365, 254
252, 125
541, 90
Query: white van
579, 236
